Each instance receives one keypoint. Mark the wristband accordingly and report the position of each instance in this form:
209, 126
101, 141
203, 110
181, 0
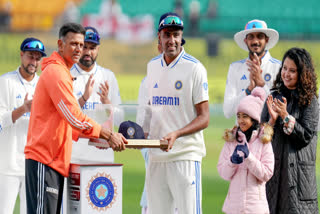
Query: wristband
84, 99
248, 92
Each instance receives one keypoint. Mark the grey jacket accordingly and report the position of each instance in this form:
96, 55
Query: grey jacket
293, 187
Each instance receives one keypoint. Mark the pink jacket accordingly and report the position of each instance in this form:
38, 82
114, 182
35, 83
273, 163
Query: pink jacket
247, 192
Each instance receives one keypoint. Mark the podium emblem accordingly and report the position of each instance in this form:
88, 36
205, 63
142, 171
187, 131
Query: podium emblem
101, 192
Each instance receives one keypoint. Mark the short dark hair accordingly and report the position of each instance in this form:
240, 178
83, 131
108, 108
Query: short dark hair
71, 27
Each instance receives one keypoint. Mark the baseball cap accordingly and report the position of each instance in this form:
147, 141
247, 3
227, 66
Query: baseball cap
170, 20
33, 44
131, 130
92, 35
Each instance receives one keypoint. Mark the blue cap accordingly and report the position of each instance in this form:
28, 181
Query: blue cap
33, 44
92, 35
170, 20
131, 130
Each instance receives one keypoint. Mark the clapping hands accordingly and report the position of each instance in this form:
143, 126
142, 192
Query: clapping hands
241, 151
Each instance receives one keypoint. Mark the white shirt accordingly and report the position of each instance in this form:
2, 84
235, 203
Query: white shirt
13, 136
239, 79
174, 90
81, 151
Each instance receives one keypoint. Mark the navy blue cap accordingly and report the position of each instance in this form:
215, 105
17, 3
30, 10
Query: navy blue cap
131, 130
33, 44
173, 23
92, 35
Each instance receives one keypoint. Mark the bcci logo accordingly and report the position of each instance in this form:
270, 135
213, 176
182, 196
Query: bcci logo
267, 77
178, 85
131, 132
101, 192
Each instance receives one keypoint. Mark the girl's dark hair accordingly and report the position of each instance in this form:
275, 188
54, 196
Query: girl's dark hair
255, 126
307, 78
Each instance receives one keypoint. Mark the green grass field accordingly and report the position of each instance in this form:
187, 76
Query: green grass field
129, 64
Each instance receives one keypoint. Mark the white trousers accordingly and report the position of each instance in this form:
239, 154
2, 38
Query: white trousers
10, 187
173, 185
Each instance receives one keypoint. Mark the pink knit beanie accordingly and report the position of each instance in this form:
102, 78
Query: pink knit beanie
252, 105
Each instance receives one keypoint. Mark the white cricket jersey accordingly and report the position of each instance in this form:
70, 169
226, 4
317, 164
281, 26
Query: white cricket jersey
13, 136
174, 90
239, 79
81, 151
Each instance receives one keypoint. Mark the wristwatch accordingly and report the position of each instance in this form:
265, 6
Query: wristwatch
248, 92
286, 119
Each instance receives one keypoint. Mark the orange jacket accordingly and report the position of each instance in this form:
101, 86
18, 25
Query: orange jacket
55, 112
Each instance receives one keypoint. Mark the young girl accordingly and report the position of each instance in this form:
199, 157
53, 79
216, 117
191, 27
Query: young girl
247, 159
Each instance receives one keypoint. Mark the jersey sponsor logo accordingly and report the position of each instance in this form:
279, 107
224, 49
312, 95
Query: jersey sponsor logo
178, 85
19, 96
205, 86
79, 94
89, 105
267, 77
101, 192
243, 77
156, 85
166, 101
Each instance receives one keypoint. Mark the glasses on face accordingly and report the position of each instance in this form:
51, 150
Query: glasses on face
252, 25
34, 45
92, 36
171, 20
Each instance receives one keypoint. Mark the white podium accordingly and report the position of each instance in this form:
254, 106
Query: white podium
94, 189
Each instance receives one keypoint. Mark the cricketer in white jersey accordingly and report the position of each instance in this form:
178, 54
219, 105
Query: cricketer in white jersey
17, 89
238, 80
81, 151
178, 95
259, 69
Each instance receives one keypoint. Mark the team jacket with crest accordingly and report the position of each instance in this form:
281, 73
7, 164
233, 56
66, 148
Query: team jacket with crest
56, 116
173, 92
13, 136
239, 79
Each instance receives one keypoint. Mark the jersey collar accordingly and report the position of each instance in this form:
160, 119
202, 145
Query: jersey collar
24, 81
83, 72
174, 62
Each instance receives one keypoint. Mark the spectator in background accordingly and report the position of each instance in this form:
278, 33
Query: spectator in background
292, 109
194, 17
17, 88
178, 8
93, 85
212, 9
259, 69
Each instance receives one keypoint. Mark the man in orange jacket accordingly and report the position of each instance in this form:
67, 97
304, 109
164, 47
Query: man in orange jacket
56, 119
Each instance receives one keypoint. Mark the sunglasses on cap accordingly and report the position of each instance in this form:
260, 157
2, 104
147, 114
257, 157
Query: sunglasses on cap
252, 25
92, 36
37, 45
171, 21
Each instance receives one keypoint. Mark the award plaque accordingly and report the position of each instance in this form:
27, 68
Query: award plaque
134, 144
114, 116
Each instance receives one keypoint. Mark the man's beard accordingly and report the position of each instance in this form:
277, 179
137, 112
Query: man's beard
87, 63
258, 53
27, 70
